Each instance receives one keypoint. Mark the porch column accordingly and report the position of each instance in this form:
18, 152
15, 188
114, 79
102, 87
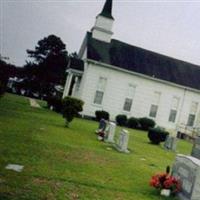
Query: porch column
74, 90
67, 84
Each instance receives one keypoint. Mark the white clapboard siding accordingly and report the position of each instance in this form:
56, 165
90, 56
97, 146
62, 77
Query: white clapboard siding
116, 90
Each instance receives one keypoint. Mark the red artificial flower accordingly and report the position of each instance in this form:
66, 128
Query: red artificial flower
165, 181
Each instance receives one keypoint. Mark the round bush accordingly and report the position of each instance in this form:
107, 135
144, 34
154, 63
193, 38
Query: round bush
146, 123
133, 122
101, 114
157, 135
121, 120
70, 108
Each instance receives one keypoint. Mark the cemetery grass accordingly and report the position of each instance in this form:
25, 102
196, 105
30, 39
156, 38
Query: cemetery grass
69, 163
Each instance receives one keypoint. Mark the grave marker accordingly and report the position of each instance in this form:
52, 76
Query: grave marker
170, 143
196, 148
110, 132
122, 144
187, 168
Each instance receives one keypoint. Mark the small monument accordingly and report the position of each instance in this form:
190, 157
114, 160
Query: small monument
122, 144
110, 132
196, 148
170, 143
187, 168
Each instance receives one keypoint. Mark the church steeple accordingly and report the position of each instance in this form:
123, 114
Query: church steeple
102, 29
107, 9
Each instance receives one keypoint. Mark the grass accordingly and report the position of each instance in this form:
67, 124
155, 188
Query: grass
70, 163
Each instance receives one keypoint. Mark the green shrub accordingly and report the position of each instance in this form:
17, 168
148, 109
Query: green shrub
71, 108
101, 114
157, 135
121, 120
56, 102
133, 122
146, 123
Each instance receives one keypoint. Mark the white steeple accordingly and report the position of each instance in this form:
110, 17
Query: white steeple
102, 29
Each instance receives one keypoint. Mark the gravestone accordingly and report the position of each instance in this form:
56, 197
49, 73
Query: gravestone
110, 132
187, 169
122, 144
196, 148
170, 143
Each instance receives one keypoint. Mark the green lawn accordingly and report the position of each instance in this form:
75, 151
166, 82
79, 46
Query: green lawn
70, 163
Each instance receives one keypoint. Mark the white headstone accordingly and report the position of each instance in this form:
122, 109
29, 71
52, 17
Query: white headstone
110, 132
170, 143
122, 144
196, 148
187, 168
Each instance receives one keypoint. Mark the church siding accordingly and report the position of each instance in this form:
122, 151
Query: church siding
115, 94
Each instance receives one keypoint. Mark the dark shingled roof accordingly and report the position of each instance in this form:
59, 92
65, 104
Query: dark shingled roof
75, 63
145, 62
107, 9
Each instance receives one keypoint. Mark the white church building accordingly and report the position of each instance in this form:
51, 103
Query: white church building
121, 78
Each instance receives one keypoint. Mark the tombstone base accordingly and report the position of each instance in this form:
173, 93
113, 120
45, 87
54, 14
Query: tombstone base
109, 141
121, 150
182, 197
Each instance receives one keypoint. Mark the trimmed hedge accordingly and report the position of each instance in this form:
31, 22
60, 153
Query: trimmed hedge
101, 114
146, 123
121, 120
133, 122
71, 107
157, 135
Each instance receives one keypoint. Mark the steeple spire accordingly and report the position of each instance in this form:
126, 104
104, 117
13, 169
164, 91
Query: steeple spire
107, 9
102, 30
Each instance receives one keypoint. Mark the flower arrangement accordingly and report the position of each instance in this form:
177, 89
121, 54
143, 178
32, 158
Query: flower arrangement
166, 181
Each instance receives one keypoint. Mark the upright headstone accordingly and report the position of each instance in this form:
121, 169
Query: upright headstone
170, 143
196, 148
187, 168
122, 144
110, 132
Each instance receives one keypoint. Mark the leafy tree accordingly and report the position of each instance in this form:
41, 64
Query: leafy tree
50, 60
71, 107
6, 70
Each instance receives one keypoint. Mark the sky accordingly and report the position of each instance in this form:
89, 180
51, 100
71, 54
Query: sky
168, 27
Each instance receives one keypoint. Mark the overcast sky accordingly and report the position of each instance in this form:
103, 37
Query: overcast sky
168, 27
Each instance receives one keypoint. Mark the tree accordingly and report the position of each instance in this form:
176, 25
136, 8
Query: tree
6, 70
50, 60
71, 108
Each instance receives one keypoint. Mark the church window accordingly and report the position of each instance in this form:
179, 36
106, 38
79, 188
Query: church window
172, 115
153, 110
98, 98
128, 104
154, 105
191, 117
129, 98
174, 108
